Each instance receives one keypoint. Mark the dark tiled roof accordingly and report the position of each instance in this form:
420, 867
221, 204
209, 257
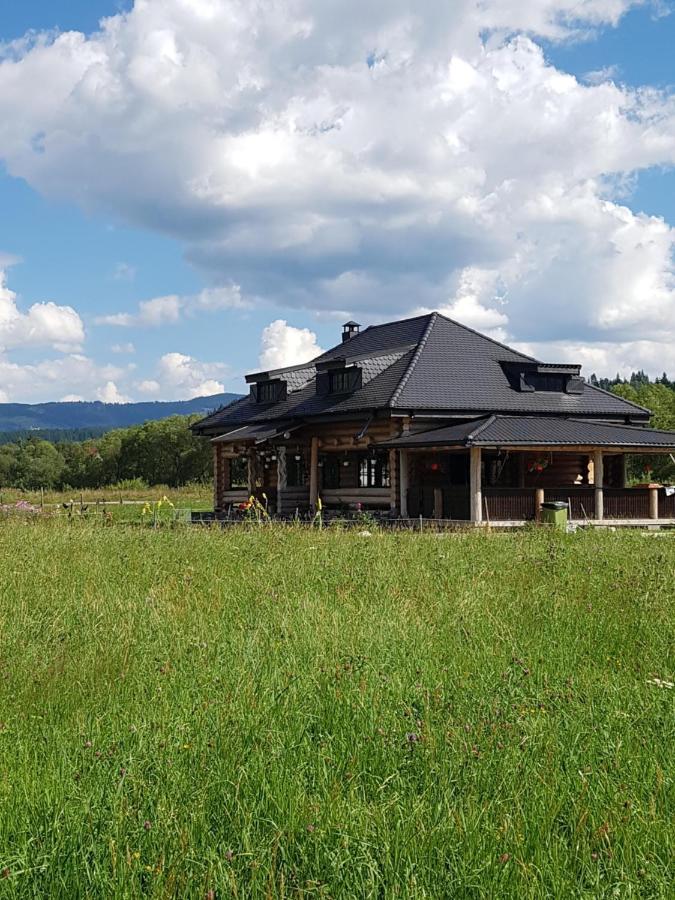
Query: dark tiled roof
425, 364
535, 431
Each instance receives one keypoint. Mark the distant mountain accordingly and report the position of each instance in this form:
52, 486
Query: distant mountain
97, 417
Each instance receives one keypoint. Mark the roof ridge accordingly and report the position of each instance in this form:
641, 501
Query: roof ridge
484, 424
647, 428
415, 357
487, 337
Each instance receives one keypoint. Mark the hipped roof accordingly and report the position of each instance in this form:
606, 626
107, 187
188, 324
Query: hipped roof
425, 364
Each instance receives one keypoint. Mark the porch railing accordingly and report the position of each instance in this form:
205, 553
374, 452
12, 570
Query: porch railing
519, 504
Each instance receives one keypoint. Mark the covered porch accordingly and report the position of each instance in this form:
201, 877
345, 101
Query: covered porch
501, 469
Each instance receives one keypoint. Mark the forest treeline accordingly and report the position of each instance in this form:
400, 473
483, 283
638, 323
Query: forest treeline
158, 452
166, 451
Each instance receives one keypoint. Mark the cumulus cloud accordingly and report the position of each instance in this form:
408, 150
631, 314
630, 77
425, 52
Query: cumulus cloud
171, 309
43, 324
283, 345
51, 379
370, 157
110, 393
183, 377
123, 348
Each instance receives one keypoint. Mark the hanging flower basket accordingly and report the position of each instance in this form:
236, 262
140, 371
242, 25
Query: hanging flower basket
538, 465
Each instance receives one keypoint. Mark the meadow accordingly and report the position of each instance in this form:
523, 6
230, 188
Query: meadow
278, 712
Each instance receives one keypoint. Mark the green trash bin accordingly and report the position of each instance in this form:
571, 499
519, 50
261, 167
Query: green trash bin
554, 512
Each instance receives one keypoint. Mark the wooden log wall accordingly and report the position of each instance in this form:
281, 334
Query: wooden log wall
562, 470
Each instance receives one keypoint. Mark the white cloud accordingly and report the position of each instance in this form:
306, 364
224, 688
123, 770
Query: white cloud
52, 379
72, 398
183, 377
149, 386
110, 393
43, 324
171, 309
123, 348
325, 154
283, 345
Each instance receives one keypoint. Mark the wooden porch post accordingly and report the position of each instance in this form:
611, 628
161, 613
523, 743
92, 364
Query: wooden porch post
403, 482
653, 503
624, 470
538, 500
475, 488
251, 471
314, 472
393, 481
598, 480
282, 477
216, 475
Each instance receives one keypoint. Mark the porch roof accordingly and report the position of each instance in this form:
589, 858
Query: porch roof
256, 433
534, 431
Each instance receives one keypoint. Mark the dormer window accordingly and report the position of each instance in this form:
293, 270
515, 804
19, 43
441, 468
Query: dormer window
544, 381
270, 391
334, 377
533, 377
340, 382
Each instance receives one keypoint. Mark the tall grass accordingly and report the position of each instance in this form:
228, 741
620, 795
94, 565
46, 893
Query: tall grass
285, 713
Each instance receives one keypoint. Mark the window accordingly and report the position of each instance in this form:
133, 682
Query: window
330, 472
296, 470
341, 382
239, 472
542, 381
374, 471
268, 391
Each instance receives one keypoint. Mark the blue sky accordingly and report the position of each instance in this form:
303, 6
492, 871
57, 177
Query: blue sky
260, 190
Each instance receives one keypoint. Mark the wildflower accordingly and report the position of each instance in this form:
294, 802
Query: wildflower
5, 872
123, 772
87, 744
147, 825
229, 855
311, 828
412, 737
504, 858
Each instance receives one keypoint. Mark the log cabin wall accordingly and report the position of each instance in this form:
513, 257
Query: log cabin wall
561, 470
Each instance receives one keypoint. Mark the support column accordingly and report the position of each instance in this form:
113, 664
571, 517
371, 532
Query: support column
251, 472
282, 478
314, 473
393, 481
403, 482
653, 502
624, 470
475, 487
598, 481
216, 475
538, 500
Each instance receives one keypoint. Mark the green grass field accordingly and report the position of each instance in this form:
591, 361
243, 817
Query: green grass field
270, 712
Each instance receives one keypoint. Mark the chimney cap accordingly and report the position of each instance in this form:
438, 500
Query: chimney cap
350, 330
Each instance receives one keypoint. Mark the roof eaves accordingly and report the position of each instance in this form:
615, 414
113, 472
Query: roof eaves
413, 362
